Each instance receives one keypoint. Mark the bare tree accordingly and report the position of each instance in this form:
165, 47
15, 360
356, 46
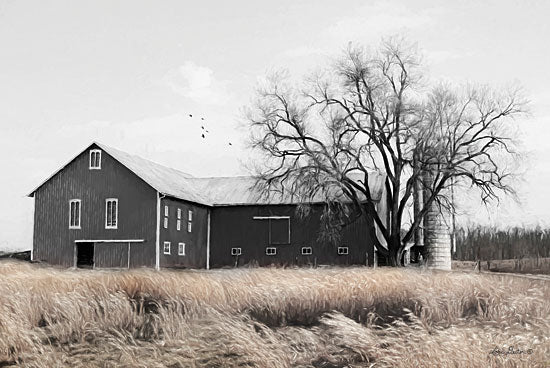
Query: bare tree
367, 114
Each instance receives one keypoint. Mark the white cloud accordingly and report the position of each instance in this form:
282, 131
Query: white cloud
199, 78
376, 20
368, 25
198, 84
440, 56
301, 51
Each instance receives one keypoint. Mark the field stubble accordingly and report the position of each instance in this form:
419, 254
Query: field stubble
267, 317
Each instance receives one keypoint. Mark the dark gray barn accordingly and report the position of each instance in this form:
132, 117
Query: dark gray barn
109, 209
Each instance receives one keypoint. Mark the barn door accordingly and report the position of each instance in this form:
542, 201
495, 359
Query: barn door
85, 255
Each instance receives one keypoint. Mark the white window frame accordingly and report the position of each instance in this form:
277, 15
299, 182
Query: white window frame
181, 246
79, 213
189, 226
190, 215
236, 251
343, 251
179, 213
107, 214
178, 224
166, 243
268, 249
166, 211
92, 152
307, 251
269, 218
166, 222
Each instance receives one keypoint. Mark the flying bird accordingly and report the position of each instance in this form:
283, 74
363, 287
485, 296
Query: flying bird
202, 118
190, 115
202, 127
230, 143
202, 135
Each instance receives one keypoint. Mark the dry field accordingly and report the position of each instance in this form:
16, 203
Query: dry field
337, 317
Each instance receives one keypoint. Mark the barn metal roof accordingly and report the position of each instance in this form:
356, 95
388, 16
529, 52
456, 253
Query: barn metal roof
240, 190
164, 179
213, 191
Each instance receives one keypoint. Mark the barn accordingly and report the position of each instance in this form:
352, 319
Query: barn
109, 209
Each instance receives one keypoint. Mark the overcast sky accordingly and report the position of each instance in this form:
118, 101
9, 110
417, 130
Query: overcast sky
128, 74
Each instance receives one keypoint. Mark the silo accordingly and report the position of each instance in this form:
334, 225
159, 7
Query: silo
437, 229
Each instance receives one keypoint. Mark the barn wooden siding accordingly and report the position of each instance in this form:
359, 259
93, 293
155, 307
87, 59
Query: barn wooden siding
235, 226
54, 241
112, 255
195, 241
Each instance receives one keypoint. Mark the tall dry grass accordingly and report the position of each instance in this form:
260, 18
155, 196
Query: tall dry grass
270, 318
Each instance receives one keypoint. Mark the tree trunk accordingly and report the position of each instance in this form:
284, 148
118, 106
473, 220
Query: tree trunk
395, 252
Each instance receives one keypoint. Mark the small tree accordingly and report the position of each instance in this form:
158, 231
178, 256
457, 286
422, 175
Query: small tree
369, 113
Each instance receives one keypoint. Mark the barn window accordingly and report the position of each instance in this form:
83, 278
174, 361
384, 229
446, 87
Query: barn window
178, 224
190, 215
74, 214
343, 250
236, 251
279, 229
270, 251
95, 159
166, 211
111, 213
166, 222
166, 247
181, 249
306, 251
179, 213
189, 227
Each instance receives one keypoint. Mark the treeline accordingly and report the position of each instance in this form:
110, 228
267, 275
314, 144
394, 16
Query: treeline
489, 243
